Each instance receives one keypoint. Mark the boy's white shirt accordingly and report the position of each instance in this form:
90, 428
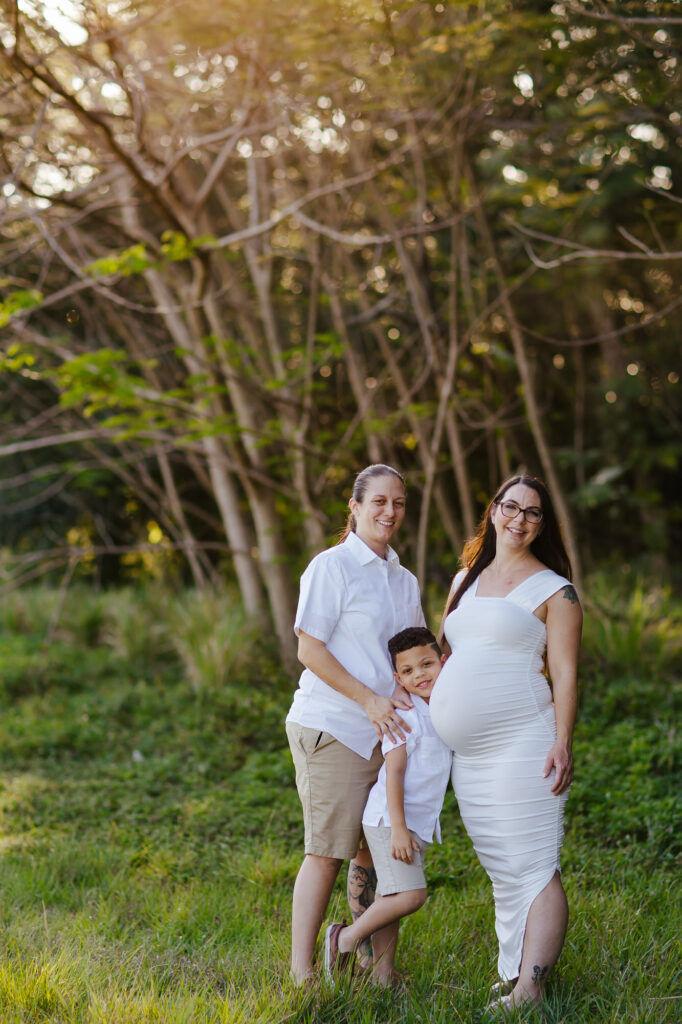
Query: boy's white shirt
429, 762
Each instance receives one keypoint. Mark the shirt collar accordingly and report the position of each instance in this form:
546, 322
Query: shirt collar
420, 704
364, 554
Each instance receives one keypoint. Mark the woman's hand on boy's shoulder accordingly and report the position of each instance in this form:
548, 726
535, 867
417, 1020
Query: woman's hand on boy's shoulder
401, 698
383, 715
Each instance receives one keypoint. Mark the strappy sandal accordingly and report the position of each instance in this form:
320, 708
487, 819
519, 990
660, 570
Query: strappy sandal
500, 988
503, 1007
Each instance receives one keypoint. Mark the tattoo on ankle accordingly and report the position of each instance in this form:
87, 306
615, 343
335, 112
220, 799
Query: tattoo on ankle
539, 974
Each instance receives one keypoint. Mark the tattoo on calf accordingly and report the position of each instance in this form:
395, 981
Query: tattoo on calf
539, 974
570, 595
361, 890
362, 884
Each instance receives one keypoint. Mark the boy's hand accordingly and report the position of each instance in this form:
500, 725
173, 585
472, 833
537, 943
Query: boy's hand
402, 844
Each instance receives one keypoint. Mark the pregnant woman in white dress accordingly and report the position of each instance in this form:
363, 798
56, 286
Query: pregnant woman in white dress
510, 608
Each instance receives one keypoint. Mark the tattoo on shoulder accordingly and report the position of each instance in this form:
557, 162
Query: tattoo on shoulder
570, 595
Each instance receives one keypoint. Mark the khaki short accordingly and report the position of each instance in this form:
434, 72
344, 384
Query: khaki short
395, 875
333, 784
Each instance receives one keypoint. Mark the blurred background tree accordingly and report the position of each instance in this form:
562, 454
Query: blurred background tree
249, 248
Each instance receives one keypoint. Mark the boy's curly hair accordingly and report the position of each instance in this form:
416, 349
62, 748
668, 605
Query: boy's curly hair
413, 636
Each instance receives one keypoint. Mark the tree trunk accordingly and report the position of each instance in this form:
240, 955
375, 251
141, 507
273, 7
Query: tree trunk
531, 404
224, 490
228, 500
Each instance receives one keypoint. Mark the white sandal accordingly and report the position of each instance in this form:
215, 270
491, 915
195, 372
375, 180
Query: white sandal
504, 1006
500, 988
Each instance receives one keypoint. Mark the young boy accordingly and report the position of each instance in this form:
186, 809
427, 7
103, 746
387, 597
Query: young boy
401, 815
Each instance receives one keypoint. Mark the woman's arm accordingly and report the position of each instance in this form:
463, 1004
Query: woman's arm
402, 843
381, 711
564, 627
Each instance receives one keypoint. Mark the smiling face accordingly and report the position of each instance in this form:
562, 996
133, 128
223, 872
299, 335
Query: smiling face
417, 669
517, 533
380, 513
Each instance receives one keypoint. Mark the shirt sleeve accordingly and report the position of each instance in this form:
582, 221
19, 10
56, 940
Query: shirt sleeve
320, 599
416, 603
411, 718
387, 744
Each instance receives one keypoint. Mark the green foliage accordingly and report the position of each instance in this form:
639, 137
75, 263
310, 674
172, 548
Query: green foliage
31, 667
632, 627
28, 612
176, 246
17, 302
151, 836
213, 638
132, 260
205, 313
629, 789
629, 746
99, 380
135, 626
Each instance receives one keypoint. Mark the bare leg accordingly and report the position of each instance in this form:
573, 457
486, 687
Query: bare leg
544, 938
381, 921
312, 891
360, 889
385, 947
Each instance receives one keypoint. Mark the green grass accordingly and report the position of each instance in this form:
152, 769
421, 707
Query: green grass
150, 830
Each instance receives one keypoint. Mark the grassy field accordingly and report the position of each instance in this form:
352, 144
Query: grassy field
150, 830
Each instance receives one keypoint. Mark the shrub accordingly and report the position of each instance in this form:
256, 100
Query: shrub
635, 631
136, 627
213, 637
627, 786
30, 668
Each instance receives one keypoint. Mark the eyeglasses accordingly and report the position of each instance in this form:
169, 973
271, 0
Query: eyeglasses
510, 510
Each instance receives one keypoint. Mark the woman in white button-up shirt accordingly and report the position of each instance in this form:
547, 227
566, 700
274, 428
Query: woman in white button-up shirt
354, 597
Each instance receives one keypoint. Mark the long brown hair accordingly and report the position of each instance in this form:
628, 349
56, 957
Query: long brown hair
548, 546
360, 489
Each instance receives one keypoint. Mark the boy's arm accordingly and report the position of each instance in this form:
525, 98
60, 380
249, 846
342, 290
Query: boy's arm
402, 843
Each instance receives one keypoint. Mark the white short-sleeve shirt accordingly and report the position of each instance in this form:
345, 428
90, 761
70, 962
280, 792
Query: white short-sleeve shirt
429, 761
354, 602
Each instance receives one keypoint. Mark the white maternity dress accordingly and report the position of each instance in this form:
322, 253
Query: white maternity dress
492, 704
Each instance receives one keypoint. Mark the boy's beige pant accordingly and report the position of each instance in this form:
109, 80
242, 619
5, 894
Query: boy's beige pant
395, 875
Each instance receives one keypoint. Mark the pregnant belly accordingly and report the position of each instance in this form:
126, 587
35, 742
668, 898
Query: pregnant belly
478, 707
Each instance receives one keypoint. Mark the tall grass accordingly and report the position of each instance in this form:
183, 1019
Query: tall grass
213, 636
150, 830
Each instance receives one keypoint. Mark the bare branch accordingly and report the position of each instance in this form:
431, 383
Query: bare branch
606, 335
582, 252
56, 439
363, 239
37, 499
620, 19
662, 193
596, 254
27, 149
635, 241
